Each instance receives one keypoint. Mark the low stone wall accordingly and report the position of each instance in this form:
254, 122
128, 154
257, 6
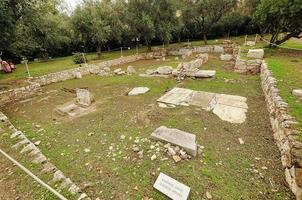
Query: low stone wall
25, 92
33, 153
286, 136
229, 49
250, 66
89, 69
35, 84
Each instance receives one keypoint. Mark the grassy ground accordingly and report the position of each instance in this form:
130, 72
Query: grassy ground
54, 65
227, 169
287, 69
17, 185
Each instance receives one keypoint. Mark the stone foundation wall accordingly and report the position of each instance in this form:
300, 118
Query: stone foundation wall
229, 49
12, 95
35, 84
27, 148
89, 69
251, 66
285, 134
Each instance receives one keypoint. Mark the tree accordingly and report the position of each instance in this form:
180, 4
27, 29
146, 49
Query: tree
140, 20
165, 19
279, 16
208, 12
232, 21
32, 27
91, 23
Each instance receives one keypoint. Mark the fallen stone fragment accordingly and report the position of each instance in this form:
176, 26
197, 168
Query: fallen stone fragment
177, 96
131, 70
37, 143
166, 70
204, 74
176, 158
230, 113
208, 195
241, 141
171, 151
227, 107
153, 157
255, 53
116, 71
177, 137
84, 97
138, 91
83, 196
135, 149
250, 43
297, 93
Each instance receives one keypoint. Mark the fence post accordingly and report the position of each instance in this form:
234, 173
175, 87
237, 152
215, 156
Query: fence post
245, 40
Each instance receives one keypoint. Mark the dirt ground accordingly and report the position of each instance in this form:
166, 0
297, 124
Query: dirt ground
111, 170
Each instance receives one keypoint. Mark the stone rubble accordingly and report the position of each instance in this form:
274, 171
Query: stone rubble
177, 137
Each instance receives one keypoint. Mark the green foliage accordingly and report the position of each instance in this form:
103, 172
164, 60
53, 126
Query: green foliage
209, 12
279, 16
79, 58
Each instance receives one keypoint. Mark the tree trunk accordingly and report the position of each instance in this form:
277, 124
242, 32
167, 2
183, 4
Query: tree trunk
99, 51
273, 39
178, 38
148, 44
205, 40
287, 37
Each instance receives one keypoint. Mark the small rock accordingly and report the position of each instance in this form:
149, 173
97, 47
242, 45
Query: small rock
86, 150
91, 134
176, 149
208, 195
241, 141
264, 168
135, 188
153, 157
140, 154
38, 126
123, 137
171, 151
176, 158
131, 70
37, 143
135, 149
167, 145
152, 147
162, 105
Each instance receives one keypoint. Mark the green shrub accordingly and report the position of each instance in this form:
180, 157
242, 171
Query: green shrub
78, 58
